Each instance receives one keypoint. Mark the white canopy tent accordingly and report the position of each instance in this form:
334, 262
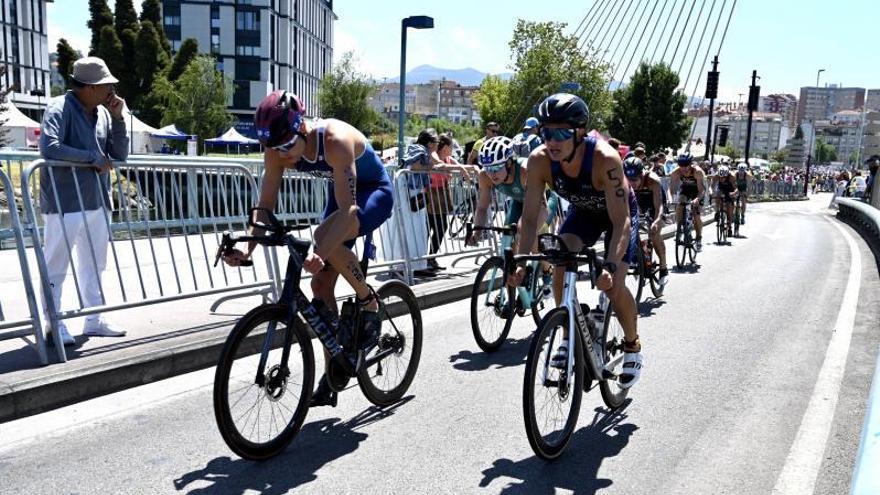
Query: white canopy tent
23, 131
231, 137
142, 140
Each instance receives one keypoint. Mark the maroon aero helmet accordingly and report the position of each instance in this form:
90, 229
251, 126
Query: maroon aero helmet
278, 117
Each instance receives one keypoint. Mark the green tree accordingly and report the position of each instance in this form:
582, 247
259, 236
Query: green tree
492, 100
779, 155
150, 60
543, 57
66, 57
853, 158
110, 49
128, 85
825, 152
100, 16
125, 17
151, 10
650, 110
344, 94
728, 150
189, 49
196, 101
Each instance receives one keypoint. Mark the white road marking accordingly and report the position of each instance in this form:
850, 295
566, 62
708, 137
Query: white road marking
798, 475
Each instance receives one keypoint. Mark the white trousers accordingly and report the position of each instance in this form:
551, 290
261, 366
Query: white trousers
86, 232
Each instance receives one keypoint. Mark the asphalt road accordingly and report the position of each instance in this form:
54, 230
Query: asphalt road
733, 354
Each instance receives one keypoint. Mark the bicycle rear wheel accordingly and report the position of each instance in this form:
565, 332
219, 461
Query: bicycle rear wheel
680, 247
492, 310
394, 361
257, 421
654, 277
551, 405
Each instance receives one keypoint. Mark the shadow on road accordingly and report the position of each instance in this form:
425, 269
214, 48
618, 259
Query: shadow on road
512, 353
316, 444
577, 470
689, 268
647, 306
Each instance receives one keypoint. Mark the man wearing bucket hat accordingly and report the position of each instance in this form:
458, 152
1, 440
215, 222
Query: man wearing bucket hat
85, 125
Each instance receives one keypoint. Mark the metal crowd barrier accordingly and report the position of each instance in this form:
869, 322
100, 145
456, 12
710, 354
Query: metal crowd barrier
18, 325
163, 233
776, 190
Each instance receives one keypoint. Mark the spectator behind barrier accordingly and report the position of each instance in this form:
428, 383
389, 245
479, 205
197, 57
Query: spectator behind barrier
85, 125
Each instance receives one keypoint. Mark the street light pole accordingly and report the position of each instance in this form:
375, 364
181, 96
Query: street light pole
415, 22
817, 76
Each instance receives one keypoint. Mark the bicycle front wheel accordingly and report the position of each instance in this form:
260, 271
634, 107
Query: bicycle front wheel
258, 418
721, 226
552, 396
391, 366
654, 277
611, 340
542, 295
680, 247
492, 309
635, 276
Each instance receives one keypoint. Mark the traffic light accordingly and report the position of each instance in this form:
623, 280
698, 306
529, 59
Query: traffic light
754, 96
722, 136
712, 85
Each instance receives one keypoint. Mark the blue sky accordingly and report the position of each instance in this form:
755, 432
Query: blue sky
787, 41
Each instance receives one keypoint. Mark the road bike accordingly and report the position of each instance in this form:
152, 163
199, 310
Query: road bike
265, 374
491, 309
649, 261
739, 214
684, 240
594, 344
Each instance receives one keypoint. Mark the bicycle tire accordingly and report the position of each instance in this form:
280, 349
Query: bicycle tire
637, 271
408, 305
656, 288
737, 215
486, 338
241, 346
613, 395
540, 306
680, 247
555, 321
721, 226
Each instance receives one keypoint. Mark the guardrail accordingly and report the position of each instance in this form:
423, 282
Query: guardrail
864, 218
21, 326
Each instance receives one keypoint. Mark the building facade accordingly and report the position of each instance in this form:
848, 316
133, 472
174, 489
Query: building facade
25, 51
872, 100
843, 135
445, 99
457, 103
261, 45
769, 132
821, 103
783, 104
871, 137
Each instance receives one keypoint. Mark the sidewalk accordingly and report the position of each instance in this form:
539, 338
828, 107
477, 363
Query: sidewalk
163, 340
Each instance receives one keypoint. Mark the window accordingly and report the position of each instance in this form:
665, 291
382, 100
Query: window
215, 16
247, 21
172, 20
247, 50
215, 43
175, 45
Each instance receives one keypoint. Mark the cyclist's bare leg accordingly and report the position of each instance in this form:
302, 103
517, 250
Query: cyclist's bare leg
698, 221
660, 247
624, 303
729, 208
344, 260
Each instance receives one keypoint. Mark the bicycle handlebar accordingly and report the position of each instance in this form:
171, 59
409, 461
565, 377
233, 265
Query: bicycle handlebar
553, 250
278, 236
470, 228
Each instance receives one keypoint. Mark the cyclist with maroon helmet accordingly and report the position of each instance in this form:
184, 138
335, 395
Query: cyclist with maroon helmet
360, 200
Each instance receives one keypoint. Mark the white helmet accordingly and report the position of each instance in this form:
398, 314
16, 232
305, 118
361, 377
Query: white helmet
496, 151
723, 171
741, 167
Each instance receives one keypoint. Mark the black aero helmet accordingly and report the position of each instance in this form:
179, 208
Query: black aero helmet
685, 159
633, 167
564, 108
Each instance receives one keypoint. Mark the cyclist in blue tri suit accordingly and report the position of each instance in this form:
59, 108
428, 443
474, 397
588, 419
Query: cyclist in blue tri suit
359, 202
589, 174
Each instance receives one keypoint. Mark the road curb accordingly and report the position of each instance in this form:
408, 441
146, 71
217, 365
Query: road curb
81, 383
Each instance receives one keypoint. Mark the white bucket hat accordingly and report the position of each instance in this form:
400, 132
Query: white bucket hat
92, 70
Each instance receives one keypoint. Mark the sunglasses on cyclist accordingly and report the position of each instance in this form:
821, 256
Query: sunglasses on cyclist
494, 169
559, 134
284, 148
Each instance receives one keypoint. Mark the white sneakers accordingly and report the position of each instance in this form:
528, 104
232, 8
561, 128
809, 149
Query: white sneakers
102, 328
66, 338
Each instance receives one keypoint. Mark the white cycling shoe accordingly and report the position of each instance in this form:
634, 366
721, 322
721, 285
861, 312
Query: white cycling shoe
632, 369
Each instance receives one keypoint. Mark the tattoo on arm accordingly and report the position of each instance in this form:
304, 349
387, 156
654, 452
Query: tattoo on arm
355, 268
352, 185
616, 182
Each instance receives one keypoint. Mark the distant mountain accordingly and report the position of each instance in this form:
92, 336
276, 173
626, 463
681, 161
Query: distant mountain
427, 73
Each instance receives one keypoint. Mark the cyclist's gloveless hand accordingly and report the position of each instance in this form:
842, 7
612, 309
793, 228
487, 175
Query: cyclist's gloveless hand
235, 258
516, 278
313, 264
655, 227
605, 281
